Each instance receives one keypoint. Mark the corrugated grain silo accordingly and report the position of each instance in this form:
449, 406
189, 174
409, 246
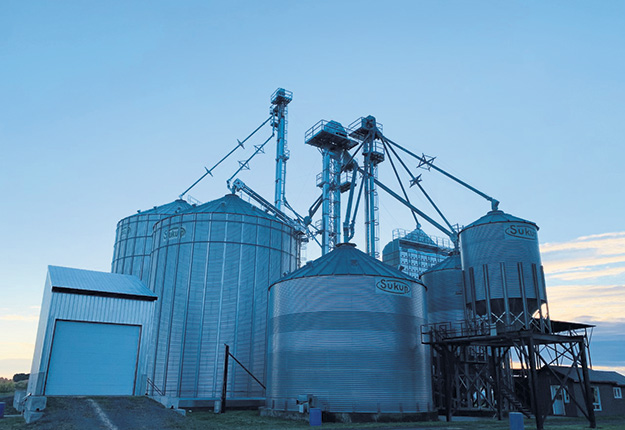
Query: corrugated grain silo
133, 239
445, 297
346, 330
504, 278
415, 252
211, 269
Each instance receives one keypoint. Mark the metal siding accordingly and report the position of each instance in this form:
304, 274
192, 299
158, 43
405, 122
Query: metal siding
37, 371
221, 298
487, 245
357, 351
191, 347
445, 296
76, 307
133, 239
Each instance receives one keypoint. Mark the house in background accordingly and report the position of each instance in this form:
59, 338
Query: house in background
608, 388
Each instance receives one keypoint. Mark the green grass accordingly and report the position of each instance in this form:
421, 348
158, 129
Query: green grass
247, 420
250, 420
7, 398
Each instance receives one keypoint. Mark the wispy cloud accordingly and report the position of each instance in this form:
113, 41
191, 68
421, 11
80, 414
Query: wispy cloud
588, 258
588, 273
604, 244
14, 317
586, 283
16, 350
569, 263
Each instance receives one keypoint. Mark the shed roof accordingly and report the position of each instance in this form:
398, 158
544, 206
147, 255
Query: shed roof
596, 376
345, 259
90, 282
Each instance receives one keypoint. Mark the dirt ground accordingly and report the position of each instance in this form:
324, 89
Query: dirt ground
142, 413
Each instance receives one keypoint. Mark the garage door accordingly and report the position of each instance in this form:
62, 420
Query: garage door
93, 359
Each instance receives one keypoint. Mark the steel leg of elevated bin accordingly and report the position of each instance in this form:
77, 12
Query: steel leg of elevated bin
588, 397
224, 385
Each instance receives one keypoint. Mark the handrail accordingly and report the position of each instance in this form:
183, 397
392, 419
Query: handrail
154, 387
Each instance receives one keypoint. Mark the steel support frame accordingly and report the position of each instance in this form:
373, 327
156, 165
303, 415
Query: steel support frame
487, 384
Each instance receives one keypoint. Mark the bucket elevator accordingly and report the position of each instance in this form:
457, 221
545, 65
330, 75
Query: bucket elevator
331, 138
490, 359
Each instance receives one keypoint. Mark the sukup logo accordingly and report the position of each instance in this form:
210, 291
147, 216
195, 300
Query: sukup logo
521, 231
393, 286
174, 232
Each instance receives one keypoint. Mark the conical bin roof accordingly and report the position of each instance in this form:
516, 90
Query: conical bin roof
345, 259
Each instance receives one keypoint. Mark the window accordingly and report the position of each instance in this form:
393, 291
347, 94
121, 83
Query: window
567, 398
596, 399
618, 394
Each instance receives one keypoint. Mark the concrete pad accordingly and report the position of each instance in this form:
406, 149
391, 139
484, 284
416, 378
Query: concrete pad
18, 400
167, 401
35, 403
32, 416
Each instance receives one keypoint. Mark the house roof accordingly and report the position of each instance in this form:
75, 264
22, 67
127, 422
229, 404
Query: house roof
596, 376
90, 282
560, 326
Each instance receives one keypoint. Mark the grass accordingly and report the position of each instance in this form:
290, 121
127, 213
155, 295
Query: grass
247, 420
250, 420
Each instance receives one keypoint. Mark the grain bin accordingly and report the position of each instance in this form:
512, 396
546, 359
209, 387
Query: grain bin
345, 330
211, 269
414, 252
133, 239
503, 275
445, 297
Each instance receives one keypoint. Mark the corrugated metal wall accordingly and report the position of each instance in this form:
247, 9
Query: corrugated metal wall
133, 239
353, 348
87, 308
211, 272
500, 267
445, 296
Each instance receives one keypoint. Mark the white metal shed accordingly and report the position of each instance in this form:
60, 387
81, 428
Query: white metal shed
93, 334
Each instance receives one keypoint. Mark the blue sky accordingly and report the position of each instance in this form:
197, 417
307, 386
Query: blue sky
111, 107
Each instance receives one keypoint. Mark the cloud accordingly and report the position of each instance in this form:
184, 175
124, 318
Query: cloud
588, 273
16, 350
587, 257
566, 263
585, 278
603, 244
584, 258
11, 366
14, 317
587, 302
619, 369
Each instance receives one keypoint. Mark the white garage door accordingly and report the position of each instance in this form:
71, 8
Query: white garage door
93, 359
